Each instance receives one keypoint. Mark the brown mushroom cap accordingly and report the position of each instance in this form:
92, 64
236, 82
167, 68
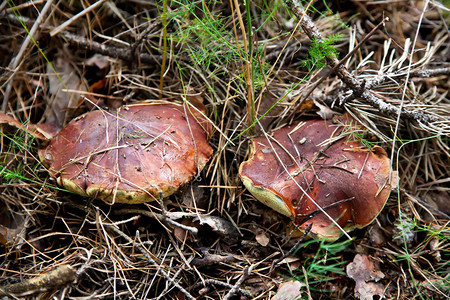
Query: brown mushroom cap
328, 172
130, 155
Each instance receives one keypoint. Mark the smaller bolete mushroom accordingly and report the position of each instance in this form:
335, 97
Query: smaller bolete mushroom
319, 162
130, 155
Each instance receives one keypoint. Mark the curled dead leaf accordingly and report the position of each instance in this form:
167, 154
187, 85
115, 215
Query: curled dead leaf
218, 225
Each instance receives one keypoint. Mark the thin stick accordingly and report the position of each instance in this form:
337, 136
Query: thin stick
241, 280
402, 101
164, 58
224, 284
76, 17
55, 279
427, 73
18, 59
122, 53
295, 247
82, 42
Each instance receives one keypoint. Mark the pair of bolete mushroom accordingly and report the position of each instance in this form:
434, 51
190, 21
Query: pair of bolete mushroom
141, 151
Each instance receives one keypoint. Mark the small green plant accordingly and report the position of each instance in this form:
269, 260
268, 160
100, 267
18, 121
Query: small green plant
319, 52
15, 160
323, 264
11, 165
204, 35
208, 39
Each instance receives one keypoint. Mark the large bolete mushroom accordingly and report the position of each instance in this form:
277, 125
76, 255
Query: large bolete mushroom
319, 162
130, 155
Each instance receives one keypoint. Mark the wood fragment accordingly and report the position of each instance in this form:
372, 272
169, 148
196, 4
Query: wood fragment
53, 280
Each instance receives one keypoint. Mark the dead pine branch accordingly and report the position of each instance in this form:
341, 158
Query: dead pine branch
344, 60
427, 73
116, 52
359, 88
247, 271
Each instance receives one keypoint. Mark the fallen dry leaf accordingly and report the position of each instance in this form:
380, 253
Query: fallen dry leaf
61, 100
10, 226
31, 129
182, 234
439, 201
98, 60
218, 225
324, 111
262, 238
376, 236
289, 290
271, 113
364, 272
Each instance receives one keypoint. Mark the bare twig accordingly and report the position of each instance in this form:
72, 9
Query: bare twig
380, 79
427, 73
122, 53
165, 217
295, 247
247, 271
76, 17
224, 284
